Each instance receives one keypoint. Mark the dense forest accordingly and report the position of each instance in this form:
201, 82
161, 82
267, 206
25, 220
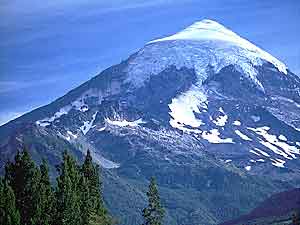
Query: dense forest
27, 197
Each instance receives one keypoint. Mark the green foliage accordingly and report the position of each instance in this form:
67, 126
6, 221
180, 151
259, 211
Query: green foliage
45, 199
92, 207
79, 195
96, 219
154, 213
9, 215
68, 199
23, 177
296, 218
77, 199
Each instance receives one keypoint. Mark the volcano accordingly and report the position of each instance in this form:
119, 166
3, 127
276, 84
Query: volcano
213, 117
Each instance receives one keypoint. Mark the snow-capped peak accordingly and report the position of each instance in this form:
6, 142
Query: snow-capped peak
202, 30
203, 44
209, 30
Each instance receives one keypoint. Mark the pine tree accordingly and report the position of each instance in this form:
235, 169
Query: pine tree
296, 215
22, 176
68, 196
154, 213
45, 198
93, 209
296, 219
9, 215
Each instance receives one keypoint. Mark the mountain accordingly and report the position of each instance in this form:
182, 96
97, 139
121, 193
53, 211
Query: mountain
213, 117
278, 209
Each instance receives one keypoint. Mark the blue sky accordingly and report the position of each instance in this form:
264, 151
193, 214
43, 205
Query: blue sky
48, 48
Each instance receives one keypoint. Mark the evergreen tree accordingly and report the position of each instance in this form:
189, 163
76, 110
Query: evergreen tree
93, 210
68, 196
22, 176
154, 213
45, 198
296, 219
296, 215
77, 199
9, 215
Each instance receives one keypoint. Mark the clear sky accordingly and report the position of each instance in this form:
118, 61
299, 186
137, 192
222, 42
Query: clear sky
48, 48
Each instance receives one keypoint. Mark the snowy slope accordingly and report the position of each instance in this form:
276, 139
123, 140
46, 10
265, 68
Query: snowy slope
205, 43
209, 30
201, 109
204, 106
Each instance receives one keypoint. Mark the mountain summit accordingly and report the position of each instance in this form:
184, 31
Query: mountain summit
213, 117
219, 37
205, 43
215, 33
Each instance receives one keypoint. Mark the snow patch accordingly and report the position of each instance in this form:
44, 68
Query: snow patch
72, 135
254, 152
221, 120
184, 107
87, 125
124, 123
262, 152
255, 118
237, 123
101, 129
260, 160
63, 111
278, 163
243, 136
248, 168
213, 137
66, 137
274, 149
42, 123
80, 105
273, 143
46, 121
282, 137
